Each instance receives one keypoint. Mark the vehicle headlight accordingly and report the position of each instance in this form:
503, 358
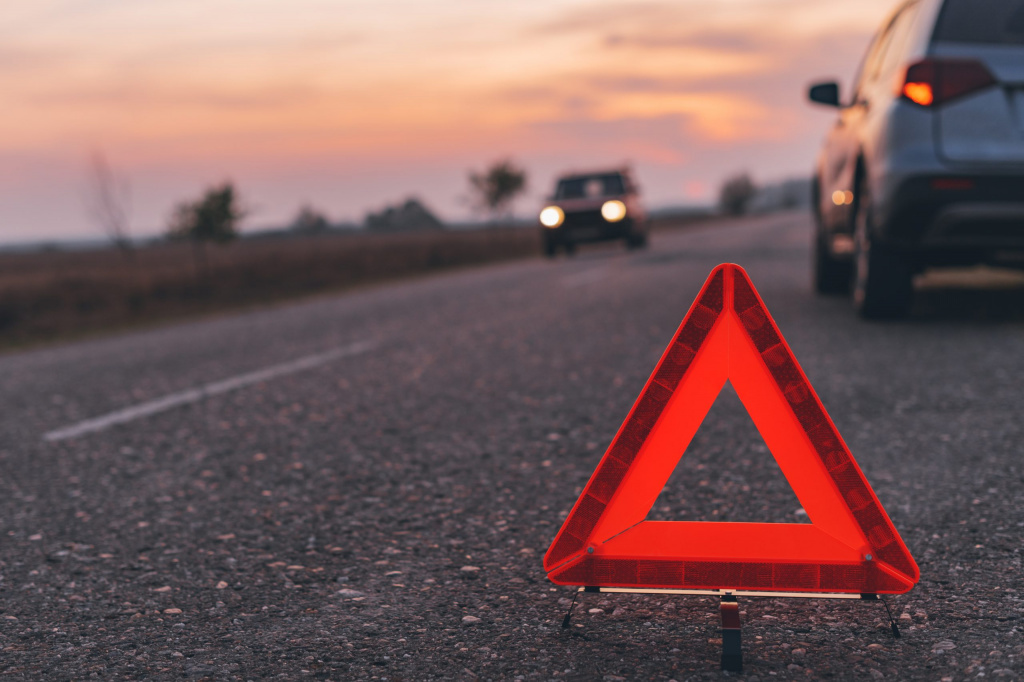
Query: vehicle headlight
552, 216
613, 211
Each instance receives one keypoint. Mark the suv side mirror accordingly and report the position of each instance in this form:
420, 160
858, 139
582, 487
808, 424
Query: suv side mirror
825, 93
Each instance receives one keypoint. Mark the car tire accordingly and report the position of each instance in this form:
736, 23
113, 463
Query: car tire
550, 247
831, 275
882, 279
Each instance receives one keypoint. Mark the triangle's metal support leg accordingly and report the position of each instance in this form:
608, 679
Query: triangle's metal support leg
732, 650
892, 621
568, 614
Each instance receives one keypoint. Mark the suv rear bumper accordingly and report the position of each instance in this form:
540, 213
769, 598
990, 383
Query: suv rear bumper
962, 219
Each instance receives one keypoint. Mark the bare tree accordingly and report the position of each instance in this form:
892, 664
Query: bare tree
109, 202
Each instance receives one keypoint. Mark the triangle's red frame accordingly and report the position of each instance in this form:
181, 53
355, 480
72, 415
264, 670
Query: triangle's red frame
850, 546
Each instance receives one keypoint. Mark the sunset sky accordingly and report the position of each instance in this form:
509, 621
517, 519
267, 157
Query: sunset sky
350, 104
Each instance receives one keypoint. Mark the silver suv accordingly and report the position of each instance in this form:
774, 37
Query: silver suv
925, 165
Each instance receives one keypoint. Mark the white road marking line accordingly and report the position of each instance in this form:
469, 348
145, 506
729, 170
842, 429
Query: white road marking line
193, 395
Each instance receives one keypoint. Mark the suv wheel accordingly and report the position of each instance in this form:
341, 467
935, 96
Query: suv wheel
883, 281
831, 275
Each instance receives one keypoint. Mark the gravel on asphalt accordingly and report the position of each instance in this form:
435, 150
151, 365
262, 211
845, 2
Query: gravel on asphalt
383, 516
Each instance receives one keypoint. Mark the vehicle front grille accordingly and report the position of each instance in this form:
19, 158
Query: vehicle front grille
584, 219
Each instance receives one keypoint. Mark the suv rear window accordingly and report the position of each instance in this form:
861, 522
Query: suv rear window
999, 22
590, 186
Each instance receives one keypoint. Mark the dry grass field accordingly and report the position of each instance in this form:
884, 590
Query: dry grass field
52, 295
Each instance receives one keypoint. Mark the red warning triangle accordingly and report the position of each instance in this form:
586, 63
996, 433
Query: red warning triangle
849, 546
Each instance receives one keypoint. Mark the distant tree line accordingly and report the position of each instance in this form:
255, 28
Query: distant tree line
214, 217
739, 195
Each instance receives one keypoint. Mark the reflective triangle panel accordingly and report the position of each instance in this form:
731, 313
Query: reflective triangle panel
728, 335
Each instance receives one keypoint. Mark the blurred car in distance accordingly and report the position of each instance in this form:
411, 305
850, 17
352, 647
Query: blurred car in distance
925, 164
593, 207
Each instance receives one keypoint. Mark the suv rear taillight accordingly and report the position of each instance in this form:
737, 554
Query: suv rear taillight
933, 82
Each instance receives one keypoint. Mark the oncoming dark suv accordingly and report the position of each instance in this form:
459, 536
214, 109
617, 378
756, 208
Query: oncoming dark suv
593, 207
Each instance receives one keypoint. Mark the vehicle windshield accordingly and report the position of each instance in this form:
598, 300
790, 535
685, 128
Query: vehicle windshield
591, 186
999, 22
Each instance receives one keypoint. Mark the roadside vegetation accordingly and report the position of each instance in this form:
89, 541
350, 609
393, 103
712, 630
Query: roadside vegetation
53, 295
205, 265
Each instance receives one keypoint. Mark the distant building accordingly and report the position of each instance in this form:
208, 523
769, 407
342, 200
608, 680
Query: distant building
411, 216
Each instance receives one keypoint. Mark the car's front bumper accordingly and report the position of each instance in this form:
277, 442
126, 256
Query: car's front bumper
589, 226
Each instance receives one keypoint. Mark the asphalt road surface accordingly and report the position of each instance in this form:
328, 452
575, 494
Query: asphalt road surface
363, 485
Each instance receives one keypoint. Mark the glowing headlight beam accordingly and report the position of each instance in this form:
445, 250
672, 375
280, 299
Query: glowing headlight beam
613, 211
552, 217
